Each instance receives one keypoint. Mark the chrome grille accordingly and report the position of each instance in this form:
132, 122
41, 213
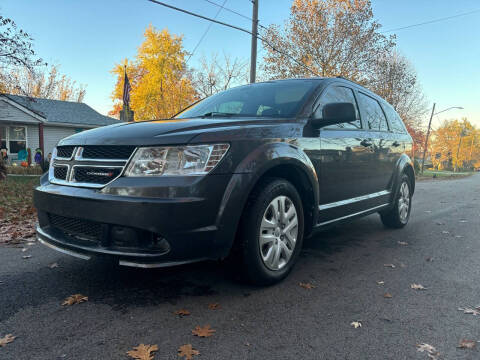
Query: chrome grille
89, 166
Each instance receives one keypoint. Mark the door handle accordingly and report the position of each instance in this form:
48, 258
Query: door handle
365, 143
395, 144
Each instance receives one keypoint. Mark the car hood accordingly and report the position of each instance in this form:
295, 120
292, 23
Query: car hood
173, 131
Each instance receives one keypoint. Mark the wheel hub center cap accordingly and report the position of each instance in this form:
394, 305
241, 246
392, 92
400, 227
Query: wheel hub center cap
277, 232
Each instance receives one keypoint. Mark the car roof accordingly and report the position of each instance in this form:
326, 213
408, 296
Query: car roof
327, 80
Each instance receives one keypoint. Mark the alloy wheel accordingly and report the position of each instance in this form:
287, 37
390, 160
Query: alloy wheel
278, 233
404, 202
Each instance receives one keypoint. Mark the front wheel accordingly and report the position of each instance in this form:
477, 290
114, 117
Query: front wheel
398, 216
271, 232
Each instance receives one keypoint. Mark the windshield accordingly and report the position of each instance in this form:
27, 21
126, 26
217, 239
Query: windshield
270, 99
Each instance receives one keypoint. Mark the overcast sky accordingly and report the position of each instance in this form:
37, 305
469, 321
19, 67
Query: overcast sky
88, 37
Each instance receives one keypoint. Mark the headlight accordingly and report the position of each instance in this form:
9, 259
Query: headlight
176, 160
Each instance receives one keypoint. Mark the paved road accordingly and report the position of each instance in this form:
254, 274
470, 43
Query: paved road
130, 306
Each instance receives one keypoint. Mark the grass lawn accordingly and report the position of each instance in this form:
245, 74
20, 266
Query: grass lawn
441, 174
17, 214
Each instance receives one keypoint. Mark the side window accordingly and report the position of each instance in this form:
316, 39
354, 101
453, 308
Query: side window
395, 120
339, 94
374, 116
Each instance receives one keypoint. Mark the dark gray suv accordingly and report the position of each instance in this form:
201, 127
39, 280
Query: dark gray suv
244, 174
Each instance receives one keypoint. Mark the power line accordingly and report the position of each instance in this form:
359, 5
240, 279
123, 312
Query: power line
432, 21
237, 28
200, 16
233, 12
206, 30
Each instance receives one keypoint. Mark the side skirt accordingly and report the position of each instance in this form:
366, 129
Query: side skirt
347, 218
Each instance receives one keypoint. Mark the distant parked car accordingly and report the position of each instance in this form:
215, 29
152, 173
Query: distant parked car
246, 174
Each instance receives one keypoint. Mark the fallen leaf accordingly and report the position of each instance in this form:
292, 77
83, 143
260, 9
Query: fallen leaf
432, 352
380, 282
473, 311
6, 339
467, 344
53, 265
75, 299
390, 266
418, 287
214, 306
187, 351
143, 352
26, 256
307, 285
403, 243
182, 312
387, 295
356, 324
205, 331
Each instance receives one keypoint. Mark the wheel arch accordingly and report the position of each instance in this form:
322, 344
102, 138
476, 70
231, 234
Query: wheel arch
280, 161
404, 166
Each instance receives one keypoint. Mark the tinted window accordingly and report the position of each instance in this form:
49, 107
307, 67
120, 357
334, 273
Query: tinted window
270, 99
395, 120
373, 113
335, 94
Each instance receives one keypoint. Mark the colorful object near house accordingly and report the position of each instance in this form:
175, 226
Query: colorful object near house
38, 156
22, 155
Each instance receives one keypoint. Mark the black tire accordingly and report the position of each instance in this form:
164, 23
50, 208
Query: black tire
248, 249
393, 217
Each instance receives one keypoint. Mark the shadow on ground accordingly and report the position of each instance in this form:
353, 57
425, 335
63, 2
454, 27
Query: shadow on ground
125, 288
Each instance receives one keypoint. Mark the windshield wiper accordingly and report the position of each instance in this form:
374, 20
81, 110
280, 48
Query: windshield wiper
216, 113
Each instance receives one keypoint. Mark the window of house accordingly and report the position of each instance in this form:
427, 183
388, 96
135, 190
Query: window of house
17, 139
335, 94
374, 115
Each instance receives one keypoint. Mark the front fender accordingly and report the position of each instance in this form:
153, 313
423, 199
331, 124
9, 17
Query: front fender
247, 174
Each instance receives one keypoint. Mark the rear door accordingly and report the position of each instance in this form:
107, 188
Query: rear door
345, 160
382, 140
400, 138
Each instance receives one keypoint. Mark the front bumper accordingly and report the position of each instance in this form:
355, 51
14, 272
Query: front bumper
165, 222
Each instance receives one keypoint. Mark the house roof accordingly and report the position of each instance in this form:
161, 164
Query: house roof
58, 111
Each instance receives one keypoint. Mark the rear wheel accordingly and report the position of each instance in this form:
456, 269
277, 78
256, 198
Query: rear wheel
398, 216
271, 232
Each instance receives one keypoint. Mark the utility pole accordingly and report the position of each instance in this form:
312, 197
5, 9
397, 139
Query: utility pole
426, 138
253, 54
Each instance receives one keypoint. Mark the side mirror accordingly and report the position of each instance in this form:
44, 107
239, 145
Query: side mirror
335, 113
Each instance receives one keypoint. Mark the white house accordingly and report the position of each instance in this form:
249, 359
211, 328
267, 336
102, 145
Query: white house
27, 122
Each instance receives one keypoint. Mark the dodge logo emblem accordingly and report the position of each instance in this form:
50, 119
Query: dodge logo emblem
98, 173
